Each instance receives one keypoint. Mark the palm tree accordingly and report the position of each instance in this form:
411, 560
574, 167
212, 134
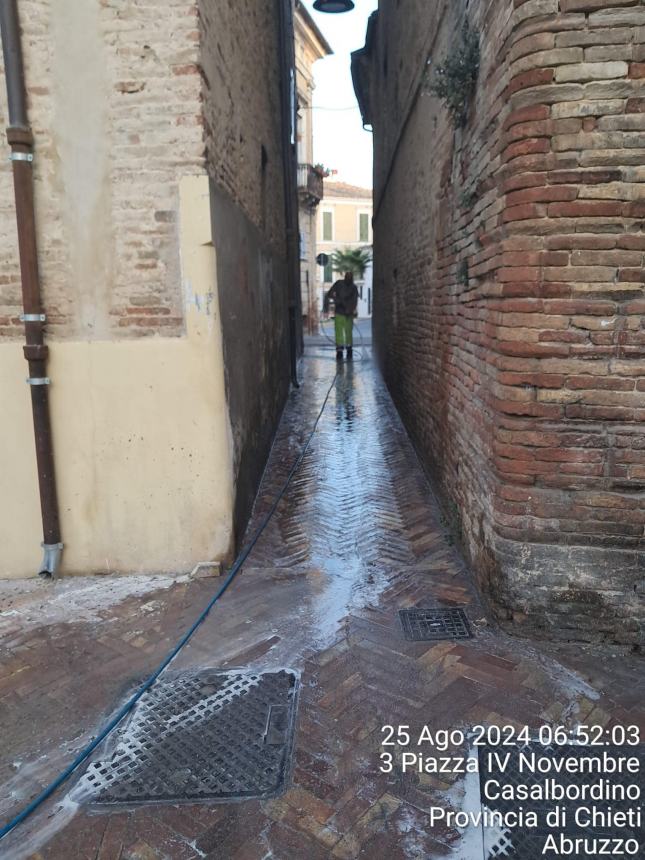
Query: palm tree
354, 260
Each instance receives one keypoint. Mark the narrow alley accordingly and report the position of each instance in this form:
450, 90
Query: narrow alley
357, 538
322, 371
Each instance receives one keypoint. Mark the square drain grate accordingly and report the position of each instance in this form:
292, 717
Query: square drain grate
420, 625
197, 736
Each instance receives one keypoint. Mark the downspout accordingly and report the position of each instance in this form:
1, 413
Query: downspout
290, 168
21, 141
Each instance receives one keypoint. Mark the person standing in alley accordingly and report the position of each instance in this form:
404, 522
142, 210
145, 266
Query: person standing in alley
345, 297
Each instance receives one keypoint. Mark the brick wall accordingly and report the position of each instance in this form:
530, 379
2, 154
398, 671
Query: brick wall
509, 295
168, 89
111, 144
241, 92
243, 139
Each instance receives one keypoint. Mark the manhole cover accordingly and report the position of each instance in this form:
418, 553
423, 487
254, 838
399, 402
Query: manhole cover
576, 811
427, 624
204, 735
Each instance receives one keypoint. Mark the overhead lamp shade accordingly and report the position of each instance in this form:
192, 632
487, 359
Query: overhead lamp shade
334, 5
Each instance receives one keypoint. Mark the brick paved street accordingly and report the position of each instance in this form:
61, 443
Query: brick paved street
357, 537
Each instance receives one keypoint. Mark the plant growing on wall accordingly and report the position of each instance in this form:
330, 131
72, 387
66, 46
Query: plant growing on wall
455, 79
354, 260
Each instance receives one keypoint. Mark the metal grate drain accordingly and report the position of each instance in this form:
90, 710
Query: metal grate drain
196, 736
428, 624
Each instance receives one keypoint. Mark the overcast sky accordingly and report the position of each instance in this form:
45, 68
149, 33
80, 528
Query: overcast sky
340, 143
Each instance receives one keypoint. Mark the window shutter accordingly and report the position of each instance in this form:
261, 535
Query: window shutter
327, 227
364, 227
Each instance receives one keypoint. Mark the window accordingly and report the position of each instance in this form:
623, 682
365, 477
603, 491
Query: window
329, 272
364, 227
328, 227
303, 246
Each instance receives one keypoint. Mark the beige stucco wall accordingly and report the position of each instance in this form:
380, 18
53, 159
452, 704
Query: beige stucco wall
309, 267
141, 435
345, 219
345, 214
309, 49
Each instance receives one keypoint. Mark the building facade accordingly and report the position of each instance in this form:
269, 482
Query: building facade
161, 206
311, 46
345, 223
509, 290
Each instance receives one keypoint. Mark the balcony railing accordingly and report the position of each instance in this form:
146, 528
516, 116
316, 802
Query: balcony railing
310, 184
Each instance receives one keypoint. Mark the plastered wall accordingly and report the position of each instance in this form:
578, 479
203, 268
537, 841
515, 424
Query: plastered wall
144, 114
141, 433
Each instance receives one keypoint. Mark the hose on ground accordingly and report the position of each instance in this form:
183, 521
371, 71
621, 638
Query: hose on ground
129, 705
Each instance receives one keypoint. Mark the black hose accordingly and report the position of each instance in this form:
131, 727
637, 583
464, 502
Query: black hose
114, 722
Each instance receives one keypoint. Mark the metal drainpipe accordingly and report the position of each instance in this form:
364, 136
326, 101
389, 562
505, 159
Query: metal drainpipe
290, 169
21, 141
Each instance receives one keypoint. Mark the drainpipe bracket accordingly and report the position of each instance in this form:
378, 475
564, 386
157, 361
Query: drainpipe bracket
51, 558
33, 318
38, 380
21, 156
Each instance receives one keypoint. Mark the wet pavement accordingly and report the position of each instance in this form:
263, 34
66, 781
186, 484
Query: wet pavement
357, 537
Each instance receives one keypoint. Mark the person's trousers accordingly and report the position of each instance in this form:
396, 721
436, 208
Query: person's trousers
344, 330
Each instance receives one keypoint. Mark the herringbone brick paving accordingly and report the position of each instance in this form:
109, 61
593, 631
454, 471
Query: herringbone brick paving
357, 537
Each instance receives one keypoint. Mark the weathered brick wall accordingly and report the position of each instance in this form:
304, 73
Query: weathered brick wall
116, 111
243, 138
240, 69
124, 99
509, 294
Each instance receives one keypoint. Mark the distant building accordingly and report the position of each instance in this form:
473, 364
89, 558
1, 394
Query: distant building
345, 221
310, 47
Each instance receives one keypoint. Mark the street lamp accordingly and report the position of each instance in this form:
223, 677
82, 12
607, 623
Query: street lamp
334, 5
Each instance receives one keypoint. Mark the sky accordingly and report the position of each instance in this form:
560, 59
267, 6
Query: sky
340, 142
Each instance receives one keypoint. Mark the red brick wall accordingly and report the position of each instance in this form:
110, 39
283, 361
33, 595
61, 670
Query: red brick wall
510, 295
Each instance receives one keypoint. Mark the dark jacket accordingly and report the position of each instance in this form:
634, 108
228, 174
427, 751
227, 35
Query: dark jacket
345, 297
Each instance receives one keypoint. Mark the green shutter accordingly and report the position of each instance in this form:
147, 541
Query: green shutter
327, 227
329, 273
364, 227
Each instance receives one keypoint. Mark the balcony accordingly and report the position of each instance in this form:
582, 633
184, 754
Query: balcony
310, 185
